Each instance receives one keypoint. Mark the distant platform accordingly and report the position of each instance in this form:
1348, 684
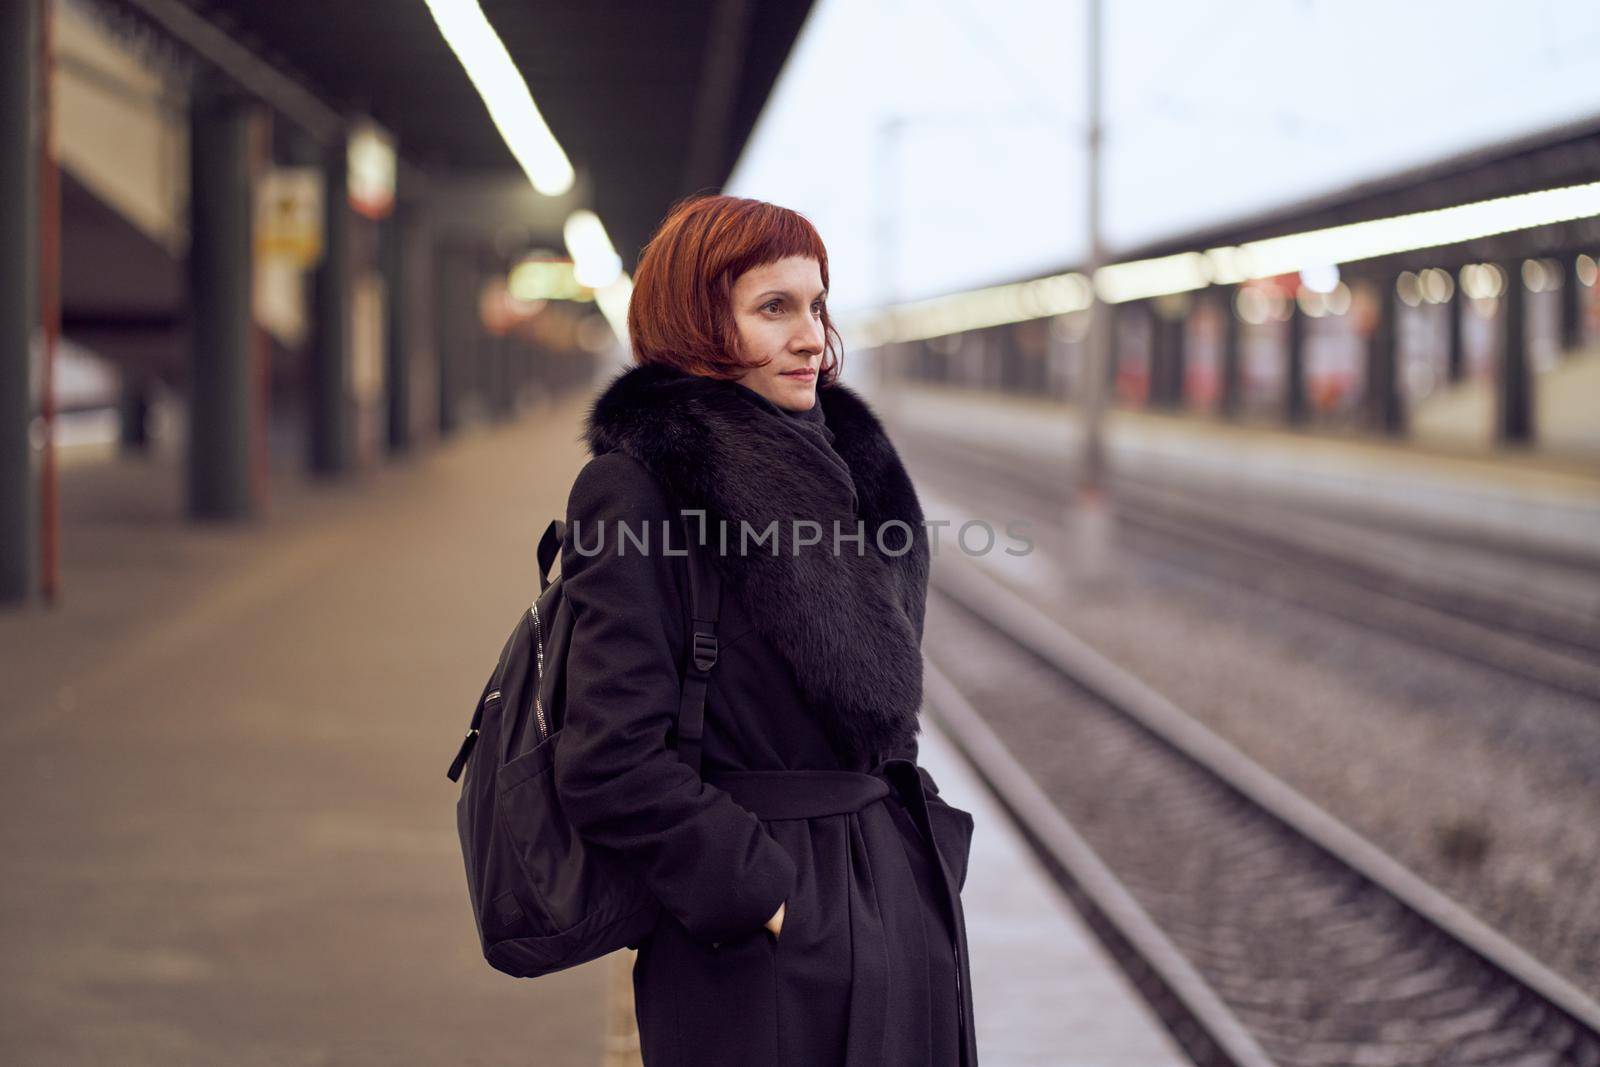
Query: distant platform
1519, 496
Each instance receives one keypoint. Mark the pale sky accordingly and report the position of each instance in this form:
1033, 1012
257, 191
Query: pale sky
1214, 110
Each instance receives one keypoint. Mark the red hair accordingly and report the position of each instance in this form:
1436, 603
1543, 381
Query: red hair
681, 313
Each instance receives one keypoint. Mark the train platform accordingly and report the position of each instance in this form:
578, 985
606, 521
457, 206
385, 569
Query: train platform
1518, 497
228, 830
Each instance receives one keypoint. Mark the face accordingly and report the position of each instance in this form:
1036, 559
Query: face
778, 311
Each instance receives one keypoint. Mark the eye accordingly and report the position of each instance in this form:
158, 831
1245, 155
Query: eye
816, 309
771, 305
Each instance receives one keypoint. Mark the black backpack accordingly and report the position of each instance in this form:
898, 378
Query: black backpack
545, 899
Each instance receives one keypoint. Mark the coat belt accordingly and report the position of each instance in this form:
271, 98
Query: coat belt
776, 795
773, 795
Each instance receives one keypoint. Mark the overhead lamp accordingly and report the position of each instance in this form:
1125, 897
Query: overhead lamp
613, 303
595, 262
1386, 237
1313, 254
998, 305
489, 66
1145, 278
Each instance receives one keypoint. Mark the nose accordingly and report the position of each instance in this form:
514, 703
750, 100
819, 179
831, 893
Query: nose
808, 339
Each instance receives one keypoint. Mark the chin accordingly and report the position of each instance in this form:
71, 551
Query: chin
798, 397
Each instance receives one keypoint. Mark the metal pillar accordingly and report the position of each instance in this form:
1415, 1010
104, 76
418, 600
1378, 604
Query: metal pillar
1180, 361
1173, 333
133, 412
1294, 370
1384, 407
1155, 393
19, 305
1456, 367
1228, 402
447, 340
394, 236
330, 404
1114, 317
1093, 463
1571, 306
1514, 418
49, 207
422, 323
221, 411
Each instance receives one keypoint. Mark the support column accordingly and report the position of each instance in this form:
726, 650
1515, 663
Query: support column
1114, 316
330, 405
19, 303
1155, 392
1571, 303
1383, 394
1294, 369
133, 412
221, 412
447, 340
1228, 398
1456, 367
397, 306
1177, 357
424, 356
1514, 417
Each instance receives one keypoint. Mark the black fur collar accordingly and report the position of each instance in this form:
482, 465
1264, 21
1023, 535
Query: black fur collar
849, 624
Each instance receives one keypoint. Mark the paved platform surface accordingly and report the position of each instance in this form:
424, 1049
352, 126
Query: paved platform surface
228, 834
223, 803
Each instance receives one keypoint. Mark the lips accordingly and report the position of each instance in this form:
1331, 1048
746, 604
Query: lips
801, 374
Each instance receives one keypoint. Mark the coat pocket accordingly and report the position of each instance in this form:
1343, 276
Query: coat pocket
952, 827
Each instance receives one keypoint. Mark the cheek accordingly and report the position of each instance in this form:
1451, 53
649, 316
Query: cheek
760, 338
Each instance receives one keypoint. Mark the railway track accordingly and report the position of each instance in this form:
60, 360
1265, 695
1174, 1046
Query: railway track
1261, 929
1364, 578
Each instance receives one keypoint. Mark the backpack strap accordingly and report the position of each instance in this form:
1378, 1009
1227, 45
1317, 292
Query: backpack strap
549, 548
705, 594
458, 764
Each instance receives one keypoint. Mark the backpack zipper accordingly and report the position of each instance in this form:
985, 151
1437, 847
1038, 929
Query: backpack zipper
538, 706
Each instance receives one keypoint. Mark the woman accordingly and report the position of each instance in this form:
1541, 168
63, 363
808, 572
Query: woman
806, 918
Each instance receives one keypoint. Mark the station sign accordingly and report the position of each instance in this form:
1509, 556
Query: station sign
289, 215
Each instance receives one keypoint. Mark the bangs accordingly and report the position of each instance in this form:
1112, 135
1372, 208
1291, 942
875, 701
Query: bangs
775, 233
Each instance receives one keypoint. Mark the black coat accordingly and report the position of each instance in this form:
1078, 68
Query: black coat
808, 791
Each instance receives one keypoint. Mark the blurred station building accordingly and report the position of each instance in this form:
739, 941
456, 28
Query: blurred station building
1454, 305
290, 235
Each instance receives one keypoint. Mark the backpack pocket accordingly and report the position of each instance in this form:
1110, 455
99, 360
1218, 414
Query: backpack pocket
571, 885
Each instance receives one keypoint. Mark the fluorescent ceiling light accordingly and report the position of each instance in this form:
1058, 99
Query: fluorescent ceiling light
1145, 278
595, 262
1317, 253
498, 81
613, 302
1319, 249
961, 312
